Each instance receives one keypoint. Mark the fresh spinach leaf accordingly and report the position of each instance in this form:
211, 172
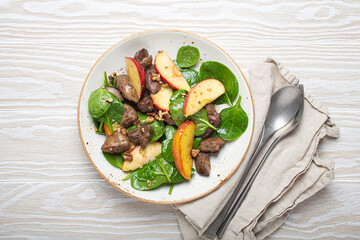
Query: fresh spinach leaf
200, 129
187, 56
166, 150
153, 175
176, 177
157, 127
176, 107
149, 184
158, 130
114, 159
97, 102
219, 71
234, 122
115, 112
201, 119
170, 131
171, 188
166, 145
191, 76
176, 111
197, 142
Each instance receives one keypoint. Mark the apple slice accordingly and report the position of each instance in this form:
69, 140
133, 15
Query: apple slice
136, 75
181, 148
161, 99
201, 94
107, 129
169, 72
140, 157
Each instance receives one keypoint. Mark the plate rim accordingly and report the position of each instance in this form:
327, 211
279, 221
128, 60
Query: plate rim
115, 185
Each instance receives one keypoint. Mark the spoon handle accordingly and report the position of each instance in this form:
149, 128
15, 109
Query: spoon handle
243, 194
213, 228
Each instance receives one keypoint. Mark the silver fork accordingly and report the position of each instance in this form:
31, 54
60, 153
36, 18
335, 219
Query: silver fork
243, 194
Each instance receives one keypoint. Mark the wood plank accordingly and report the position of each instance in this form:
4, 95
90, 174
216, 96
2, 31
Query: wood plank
332, 213
45, 146
80, 211
305, 21
50, 76
96, 210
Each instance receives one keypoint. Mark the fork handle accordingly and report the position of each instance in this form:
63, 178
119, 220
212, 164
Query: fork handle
243, 194
213, 228
245, 191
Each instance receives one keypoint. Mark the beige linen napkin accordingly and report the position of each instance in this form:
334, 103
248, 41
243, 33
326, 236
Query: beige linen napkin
293, 171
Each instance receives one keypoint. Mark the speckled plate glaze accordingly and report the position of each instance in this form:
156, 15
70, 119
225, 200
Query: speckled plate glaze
222, 166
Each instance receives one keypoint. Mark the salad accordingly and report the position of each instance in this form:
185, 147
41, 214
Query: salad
160, 117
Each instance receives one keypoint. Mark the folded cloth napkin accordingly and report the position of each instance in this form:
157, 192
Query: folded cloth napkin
292, 172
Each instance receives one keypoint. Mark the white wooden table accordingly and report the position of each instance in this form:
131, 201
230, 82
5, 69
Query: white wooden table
49, 189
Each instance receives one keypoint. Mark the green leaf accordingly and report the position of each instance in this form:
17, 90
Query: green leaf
149, 184
187, 56
114, 159
191, 76
234, 122
176, 107
170, 131
200, 129
97, 102
201, 119
157, 127
197, 142
153, 174
219, 71
166, 150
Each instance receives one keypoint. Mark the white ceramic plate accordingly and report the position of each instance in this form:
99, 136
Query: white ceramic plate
222, 166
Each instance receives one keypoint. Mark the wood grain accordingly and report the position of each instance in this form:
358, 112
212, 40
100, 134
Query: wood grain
58, 70
97, 211
338, 222
48, 188
51, 139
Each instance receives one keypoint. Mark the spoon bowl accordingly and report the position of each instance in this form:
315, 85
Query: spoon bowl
285, 103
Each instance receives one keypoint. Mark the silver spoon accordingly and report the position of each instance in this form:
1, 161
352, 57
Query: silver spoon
244, 192
285, 103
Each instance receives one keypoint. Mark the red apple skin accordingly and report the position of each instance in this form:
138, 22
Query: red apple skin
166, 80
107, 130
141, 72
194, 88
184, 138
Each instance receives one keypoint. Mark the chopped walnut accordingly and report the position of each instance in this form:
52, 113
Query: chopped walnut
194, 152
159, 116
123, 131
151, 114
166, 115
138, 123
109, 100
165, 85
128, 156
149, 119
